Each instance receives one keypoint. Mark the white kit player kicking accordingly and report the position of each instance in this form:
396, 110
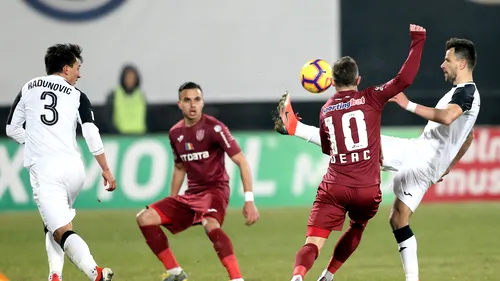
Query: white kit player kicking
51, 107
420, 162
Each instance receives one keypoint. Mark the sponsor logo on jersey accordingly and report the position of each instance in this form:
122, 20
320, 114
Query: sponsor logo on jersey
83, 10
344, 105
188, 157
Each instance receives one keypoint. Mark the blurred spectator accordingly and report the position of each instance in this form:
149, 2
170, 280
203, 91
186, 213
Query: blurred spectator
126, 106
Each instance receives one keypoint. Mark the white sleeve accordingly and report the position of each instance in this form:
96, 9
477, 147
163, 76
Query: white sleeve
15, 120
91, 134
308, 133
89, 130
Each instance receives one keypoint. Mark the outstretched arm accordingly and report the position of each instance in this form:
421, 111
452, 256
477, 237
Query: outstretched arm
461, 102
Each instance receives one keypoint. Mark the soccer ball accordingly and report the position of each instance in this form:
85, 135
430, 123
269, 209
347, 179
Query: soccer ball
316, 76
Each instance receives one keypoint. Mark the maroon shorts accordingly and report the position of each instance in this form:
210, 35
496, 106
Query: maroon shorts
334, 201
182, 211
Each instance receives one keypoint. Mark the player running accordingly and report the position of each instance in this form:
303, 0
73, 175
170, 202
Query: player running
51, 107
422, 161
199, 143
350, 135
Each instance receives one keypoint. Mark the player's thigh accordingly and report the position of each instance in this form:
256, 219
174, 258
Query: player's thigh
328, 210
394, 151
364, 203
215, 206
175, 214
411, 183
52, 201
73, 177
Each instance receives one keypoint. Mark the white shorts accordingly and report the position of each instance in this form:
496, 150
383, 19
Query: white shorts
55, 187
412, 173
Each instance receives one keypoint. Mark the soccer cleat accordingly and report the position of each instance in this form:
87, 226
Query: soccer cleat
177, 277
285, 120
54, 277
104, 274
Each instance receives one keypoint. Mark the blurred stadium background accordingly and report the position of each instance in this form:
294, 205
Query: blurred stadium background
245, 54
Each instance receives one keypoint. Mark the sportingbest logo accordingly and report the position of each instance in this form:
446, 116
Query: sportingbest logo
70, 10
344, 105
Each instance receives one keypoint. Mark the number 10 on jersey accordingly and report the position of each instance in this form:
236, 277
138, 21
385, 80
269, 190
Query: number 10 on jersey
359, 118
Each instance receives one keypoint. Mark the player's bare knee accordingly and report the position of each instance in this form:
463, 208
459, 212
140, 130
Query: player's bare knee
210, 224
318, 241
400, 215
59, 233
358, 224
148, 217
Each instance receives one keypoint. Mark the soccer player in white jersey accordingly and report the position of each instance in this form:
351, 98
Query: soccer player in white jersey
51, 107
420, 162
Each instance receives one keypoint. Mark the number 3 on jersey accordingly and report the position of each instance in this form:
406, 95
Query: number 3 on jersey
359, 118
50, 107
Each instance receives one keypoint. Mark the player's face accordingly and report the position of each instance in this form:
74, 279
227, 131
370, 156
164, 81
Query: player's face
450, 66
72, 72
191, 103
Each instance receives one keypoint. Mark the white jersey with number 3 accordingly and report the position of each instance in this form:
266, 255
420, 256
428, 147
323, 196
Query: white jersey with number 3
51, 108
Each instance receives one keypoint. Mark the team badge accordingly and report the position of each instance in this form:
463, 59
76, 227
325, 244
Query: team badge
200, 134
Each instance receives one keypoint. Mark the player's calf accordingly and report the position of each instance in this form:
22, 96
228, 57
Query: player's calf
407, 243
55, 256
223, 247
149, 221
309, 252
79, 254
346, 245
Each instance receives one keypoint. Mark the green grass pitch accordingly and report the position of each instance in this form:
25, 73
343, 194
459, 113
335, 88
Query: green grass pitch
456, 242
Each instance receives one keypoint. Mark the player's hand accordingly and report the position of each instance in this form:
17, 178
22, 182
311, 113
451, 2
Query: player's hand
109, 180
401, 100
445, 173
250, 213
416, 28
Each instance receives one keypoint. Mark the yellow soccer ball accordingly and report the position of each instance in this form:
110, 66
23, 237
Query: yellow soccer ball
316, 76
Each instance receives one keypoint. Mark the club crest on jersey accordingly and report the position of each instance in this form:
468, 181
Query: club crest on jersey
344, 105
200, 134
189, 146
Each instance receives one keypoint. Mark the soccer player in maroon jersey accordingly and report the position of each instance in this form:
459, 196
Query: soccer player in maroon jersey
199, 143
350, 135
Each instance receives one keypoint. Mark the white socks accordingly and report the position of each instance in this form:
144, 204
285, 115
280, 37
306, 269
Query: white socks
308, 133
326, 276
175, 271
78, 252
408, 252
55, 255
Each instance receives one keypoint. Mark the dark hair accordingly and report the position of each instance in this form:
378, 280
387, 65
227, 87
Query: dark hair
59, 55
464, 49
188, 86
345, 72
